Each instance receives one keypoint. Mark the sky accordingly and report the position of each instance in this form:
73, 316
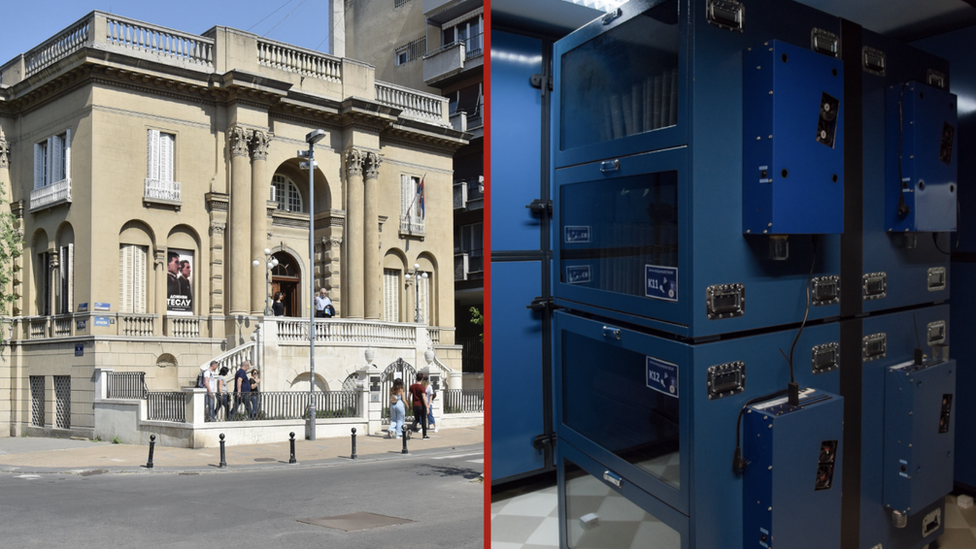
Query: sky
303, 23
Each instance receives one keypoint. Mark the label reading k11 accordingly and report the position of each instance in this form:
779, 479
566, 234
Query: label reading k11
662, 376
661, 282
576, 234
578, 274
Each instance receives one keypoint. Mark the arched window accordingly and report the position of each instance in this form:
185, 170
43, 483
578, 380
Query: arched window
286, 194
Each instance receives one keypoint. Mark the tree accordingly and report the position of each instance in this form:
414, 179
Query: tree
10, 250
478, 319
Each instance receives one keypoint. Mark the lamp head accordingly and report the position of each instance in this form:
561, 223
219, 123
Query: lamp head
257, 262
315, 136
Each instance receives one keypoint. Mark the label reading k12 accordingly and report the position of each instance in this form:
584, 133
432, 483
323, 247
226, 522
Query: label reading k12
662, 376
661, 282
576, 234
578, 274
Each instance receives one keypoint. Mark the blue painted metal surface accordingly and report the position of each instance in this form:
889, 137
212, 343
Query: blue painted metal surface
677, 448
792, 494
709, 195
793, 141
922, 148
909, 264
961, 328
516, 370
919, 433
516, 141
903, 332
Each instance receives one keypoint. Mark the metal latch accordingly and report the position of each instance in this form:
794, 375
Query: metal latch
825, 357
545, 441
874, 286
725, 301
540, 207
936, 332
609, 166
610, 16
727, 379
541, 304
726, 14
936, 278
613, 478
826, 290
873, 61
874, 346
936, 78
825, 42
611, 332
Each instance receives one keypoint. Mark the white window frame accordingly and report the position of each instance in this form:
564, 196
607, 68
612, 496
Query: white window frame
133, 274
66, 279
52, 160
160, 156
286, 193
392, 280
409, 206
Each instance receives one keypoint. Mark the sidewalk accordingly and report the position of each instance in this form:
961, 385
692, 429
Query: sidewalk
46, 455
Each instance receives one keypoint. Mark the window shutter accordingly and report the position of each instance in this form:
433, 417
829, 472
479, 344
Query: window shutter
424, 285
49, 171
67, 159
166, 143
152, 154
70, 277
405, 197
139, 279
57, 155
125, 278
391, 295
38, 166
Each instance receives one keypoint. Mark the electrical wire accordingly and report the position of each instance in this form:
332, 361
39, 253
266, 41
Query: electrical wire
269, 15
285, 17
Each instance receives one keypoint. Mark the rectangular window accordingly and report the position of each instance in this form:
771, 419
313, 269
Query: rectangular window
43, 285
468, 239
159, 155
423, 285
391, 295
412, 204
132, 278
66, 269
467, 30
52, 160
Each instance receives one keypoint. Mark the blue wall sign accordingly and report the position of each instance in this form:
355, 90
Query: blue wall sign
661, 282
103, 306
81, 324
101, 321
79, 349
662, 376
82, 307
576, 234
578, 274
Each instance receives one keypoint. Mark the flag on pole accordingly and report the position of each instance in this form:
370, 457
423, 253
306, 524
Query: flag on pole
420, 196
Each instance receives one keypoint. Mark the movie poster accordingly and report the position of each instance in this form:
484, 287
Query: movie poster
179, 282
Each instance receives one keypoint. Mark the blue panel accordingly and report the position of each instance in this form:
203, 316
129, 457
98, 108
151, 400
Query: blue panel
919, 433
962, 327
793, 480
516, 141
921, 148
793, 141
606, 407
902, 331
516, 370
909, 263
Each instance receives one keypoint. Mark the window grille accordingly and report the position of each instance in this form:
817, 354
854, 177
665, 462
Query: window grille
37, 400
399, 3
286, 194
411, 51
62, 400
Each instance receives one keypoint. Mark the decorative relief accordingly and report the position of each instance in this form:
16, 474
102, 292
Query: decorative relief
217, 228
259, 144
373, 161
239, 138
4, 153
354, 163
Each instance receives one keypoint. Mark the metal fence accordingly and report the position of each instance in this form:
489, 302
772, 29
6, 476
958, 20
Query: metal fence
272, 405
127, 385
167, 406
464, 401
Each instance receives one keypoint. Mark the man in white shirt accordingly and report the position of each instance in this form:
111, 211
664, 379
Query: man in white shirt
322, 304
210, 382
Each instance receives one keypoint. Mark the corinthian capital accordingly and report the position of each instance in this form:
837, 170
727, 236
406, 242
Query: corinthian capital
354, 163
4, 152
372, 165
259, 144
239, 137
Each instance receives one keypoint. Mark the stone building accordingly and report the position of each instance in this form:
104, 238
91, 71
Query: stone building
149, 170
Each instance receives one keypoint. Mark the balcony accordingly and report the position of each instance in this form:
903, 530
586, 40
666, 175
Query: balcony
449, 61
162, 192
469, 194
469, 263
50, 196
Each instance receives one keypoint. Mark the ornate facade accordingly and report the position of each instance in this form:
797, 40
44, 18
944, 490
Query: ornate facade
149, 170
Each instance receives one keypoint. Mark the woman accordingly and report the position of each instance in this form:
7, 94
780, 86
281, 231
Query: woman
255, 400
278, 307
398, 410
430, 405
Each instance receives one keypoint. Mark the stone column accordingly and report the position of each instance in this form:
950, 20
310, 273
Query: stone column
240, 216
159, 304
353, 275
373, 274
260, 194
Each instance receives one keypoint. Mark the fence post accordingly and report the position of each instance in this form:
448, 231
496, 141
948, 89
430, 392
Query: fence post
152, 445
353, 443
101, 383
223, 455
195, 406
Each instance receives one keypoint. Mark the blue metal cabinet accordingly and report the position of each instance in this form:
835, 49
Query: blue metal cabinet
661, 414
962, 327
516, 141
889, 341
517, 414
899, 269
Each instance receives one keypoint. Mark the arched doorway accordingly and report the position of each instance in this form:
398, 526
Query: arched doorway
286, 278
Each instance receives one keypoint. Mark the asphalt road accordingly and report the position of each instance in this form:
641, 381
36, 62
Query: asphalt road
441, 495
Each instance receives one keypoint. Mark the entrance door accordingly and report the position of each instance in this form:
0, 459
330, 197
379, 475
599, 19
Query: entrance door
285, 278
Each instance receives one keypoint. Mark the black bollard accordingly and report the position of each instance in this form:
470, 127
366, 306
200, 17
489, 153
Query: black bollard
404, 451
223, 455
292, 458
353, 443
152, 445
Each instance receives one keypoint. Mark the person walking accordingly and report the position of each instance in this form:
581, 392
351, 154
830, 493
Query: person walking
398, 409
223, 394
242, 389
418, 394
431, 394
255, 398
210, 383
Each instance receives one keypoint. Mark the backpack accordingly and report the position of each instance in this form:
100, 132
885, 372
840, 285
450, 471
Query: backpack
201, 380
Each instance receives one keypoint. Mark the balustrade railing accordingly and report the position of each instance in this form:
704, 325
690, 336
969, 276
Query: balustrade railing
413, 103
55, 192
289, 58
166, 406
184, 327
62, 326
346, 331
135, 324
279, 405
57, 48
131, 385
134, 35
232, 359
464, 401
37, 328
163, 190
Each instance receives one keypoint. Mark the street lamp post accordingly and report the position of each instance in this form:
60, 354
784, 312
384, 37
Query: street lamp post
270, 263
417, 276
312, 138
